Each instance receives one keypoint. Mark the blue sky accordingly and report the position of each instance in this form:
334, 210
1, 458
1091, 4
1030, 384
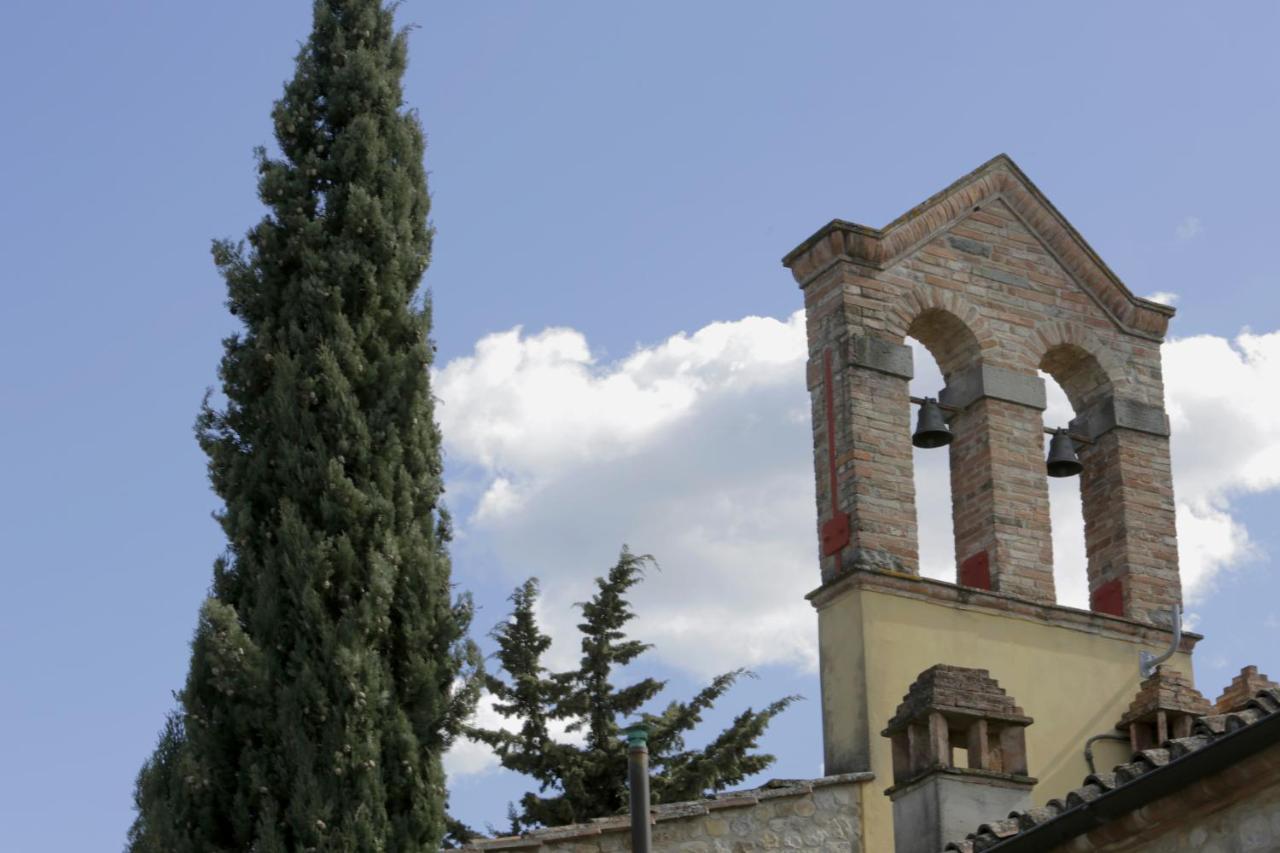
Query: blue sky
614, 181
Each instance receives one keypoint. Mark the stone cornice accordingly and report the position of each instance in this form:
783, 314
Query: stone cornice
990, 601
999, 178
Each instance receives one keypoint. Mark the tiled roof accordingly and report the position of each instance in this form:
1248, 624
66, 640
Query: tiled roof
1209, 731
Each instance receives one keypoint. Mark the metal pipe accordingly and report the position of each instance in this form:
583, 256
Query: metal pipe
1088, 746
638, 771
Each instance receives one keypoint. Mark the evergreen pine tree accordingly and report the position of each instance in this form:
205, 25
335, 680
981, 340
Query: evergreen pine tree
577, 783
330, 667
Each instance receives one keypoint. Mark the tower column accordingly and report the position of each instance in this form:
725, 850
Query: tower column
1129, 512
1000, 499
862, 455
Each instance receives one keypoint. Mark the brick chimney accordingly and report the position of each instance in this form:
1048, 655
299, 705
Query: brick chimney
949, 712
1166, 707
1241, 690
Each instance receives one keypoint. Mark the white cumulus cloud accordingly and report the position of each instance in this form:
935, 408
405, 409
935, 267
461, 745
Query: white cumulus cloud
695, 449
698, 449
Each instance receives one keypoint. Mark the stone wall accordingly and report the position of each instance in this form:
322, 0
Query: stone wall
821, 815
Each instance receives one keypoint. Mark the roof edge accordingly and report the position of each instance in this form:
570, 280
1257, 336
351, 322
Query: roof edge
1225, 749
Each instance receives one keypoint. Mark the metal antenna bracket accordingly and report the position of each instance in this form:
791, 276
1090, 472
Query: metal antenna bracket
1149, 663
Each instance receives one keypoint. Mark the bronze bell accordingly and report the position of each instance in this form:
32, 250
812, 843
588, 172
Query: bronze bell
1062, 461
931, 428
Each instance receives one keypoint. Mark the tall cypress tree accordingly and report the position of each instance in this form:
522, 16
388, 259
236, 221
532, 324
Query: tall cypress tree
330, 666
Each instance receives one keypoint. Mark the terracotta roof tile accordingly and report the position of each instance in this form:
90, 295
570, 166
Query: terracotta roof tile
1207, 730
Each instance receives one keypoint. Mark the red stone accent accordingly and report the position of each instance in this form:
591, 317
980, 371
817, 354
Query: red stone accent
976, 571
835, 534
1108, 598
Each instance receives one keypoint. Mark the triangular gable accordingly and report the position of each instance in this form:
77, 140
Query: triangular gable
997, 179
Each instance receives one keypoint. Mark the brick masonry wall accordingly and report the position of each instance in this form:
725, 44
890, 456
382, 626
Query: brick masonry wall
821, 815
996, 285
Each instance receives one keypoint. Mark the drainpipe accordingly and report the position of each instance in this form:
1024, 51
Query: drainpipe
638, 770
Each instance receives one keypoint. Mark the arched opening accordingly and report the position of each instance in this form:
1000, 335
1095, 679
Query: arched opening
941, 345
1066, 510
931, 471
1074, 383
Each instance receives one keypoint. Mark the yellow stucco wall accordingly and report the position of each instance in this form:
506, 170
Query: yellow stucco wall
1073, 681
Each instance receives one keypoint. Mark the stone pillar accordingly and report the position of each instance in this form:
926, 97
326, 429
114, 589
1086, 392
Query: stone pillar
1000, 498
936, 798
1129, 513
862, 450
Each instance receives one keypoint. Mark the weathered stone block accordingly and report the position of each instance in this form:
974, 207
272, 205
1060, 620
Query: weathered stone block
884, 356
985, 380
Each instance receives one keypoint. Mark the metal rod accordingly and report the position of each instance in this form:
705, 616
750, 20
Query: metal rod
1149, 663
919, 401
1071, 435
638, 771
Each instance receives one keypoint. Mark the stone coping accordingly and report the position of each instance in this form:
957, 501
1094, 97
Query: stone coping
986, 777
998, 603
774, 789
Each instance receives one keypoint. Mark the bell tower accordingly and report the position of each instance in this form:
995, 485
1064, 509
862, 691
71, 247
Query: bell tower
998, 286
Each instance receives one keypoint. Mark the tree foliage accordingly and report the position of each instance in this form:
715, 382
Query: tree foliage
330, 667
582, 781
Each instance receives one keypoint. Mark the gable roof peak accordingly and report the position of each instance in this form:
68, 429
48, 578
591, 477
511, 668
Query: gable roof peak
1001, 179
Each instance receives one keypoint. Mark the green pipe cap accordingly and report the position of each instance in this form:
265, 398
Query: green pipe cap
637, 735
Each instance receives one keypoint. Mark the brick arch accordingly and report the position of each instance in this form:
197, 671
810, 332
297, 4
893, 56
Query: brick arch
1078, 361
949, 326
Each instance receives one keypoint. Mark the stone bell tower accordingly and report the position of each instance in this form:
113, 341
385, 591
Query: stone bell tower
998, 286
